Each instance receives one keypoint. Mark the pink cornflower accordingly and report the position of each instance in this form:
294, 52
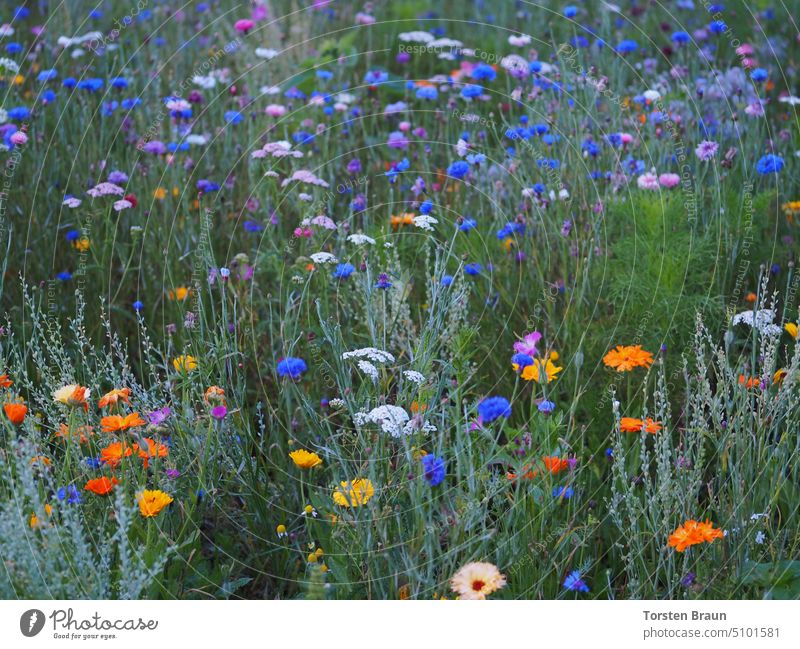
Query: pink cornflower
647, 181
706, 150
669, 180
528, 343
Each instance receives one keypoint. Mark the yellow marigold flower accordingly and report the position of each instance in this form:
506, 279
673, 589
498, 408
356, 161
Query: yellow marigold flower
355, 493
791, 329
312, 558
304, 459
82, 245
477, 580
627, 357
184, 363
35, 521
152, 501
539, 371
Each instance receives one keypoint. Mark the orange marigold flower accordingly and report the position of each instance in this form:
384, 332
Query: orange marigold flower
115, 423
692, 533
751, 382
634, 425
180, 293
627, 357
528, 473
15, 412
154, 449
5, 382
113, 453
81, 433
151, 502
751, 297
72, 395
36, 521
113, 397
215, 395
101, 486
555, 464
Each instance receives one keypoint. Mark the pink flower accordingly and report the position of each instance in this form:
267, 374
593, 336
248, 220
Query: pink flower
275, 110
669, 180
626, 138
122, 205
405, 127
19, 138
528, 343
745, 49
647, 181
244, 25
219, 412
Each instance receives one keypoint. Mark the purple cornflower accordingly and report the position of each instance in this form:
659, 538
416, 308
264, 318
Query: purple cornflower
158, 417
706, 150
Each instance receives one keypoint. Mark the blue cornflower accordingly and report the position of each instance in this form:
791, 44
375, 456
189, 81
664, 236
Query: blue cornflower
19, 113
610, 453
426, 207
627, 47
574, 582
546, 407
252, 226
233, 117
482, 71
14, 48
47, 75
64, 276
769, 164
717, 27
374, 77
470, 91
73, 235
458, 169
427, 92
48, 96
467, 224
69, 493
118, 82
91, 85
570, 11
292, 367
447, 280
563, 492
69, 82
758, 75
94, 462
493, 408
343, 271
138, 305
324, 74
473, 269
434, 469
206, 186
383, 281
522, 360
680, 37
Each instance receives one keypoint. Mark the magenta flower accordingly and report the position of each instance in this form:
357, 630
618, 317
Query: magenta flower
219, 412
528, 344
244, 25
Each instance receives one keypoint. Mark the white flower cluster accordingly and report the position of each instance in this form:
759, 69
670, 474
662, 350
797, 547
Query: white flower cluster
369, 369
375, 355
392, 419
323, 258
425, 222
761, 320
361, 239
414, 376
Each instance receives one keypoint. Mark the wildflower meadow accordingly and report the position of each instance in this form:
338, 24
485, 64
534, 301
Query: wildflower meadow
405, 300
